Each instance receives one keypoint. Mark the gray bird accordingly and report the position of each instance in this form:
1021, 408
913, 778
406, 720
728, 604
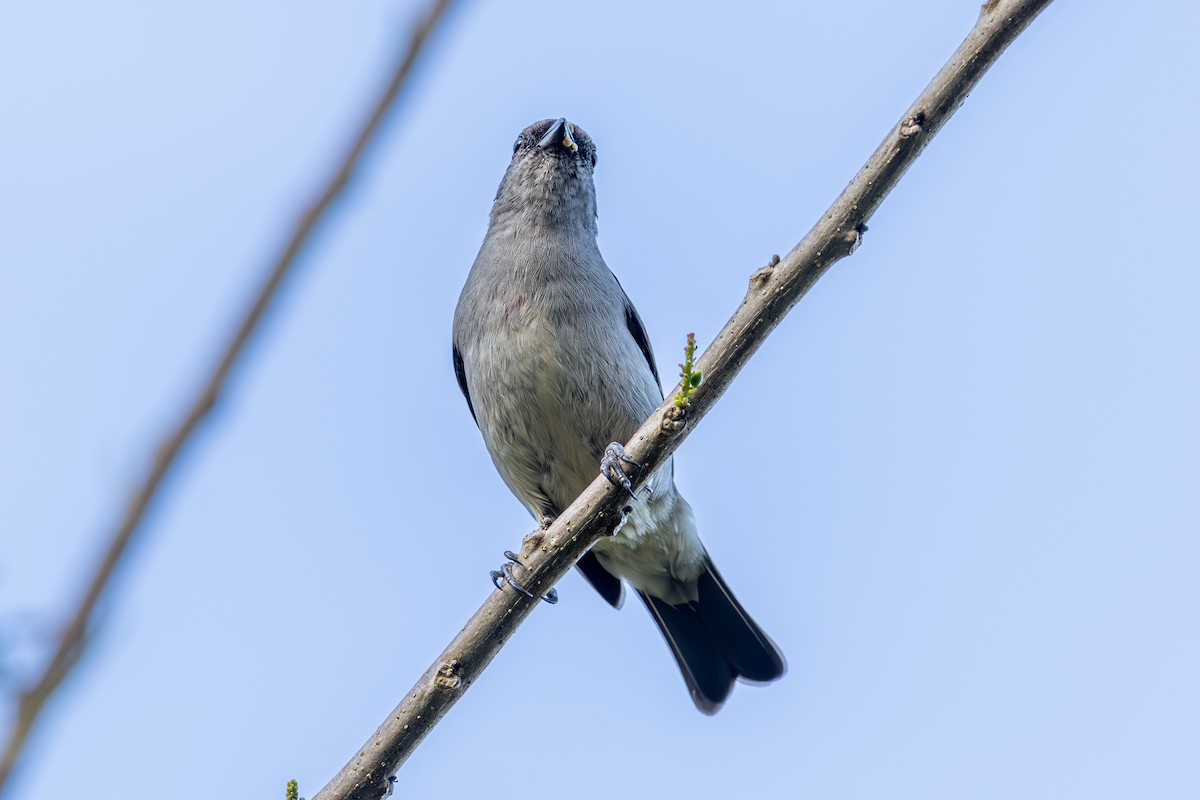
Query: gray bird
555, 365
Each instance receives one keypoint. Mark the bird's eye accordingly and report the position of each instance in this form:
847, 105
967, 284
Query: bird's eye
517, 143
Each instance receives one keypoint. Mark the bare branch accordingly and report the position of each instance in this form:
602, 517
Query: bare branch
773, 291
75, 634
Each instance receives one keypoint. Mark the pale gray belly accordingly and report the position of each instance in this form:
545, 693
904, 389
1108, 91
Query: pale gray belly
547, 413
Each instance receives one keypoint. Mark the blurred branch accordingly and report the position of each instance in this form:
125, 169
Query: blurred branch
74, 636
773, 291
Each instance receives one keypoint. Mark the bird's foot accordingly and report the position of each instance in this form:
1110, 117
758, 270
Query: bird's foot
505, 574
610, 467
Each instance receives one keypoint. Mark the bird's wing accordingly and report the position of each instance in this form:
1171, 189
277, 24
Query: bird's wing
608, 585
634, 323
460, 373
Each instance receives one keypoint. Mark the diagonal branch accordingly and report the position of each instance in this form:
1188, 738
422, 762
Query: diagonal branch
75, 634
773, 291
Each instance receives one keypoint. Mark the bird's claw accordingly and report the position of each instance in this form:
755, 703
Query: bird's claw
505, 574
610, 467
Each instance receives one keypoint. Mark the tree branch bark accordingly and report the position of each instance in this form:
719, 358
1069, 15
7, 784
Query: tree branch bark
77, 632
773, 291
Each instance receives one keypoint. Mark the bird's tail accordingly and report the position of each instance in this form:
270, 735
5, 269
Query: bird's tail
715, 641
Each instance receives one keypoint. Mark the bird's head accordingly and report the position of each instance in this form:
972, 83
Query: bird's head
549, 181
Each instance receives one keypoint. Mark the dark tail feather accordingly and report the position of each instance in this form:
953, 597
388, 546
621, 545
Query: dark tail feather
747, 646
715, 642
708, 674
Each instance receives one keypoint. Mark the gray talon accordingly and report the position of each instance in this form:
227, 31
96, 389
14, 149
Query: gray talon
610, 467
506, 570
505, 574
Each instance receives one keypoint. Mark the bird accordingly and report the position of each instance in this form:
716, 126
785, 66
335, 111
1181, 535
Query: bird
557, 370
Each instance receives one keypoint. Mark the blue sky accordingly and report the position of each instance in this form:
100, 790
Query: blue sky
958, 485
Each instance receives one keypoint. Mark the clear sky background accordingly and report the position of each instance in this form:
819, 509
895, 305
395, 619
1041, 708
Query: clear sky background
959, 485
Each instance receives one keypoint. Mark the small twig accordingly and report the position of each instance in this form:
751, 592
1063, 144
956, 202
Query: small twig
772, 294
74, 636
689, 376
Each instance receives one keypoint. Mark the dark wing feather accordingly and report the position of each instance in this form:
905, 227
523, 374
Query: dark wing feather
461, 374
608, 585
638, 330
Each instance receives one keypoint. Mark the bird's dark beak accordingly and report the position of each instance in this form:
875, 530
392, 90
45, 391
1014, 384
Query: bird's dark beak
561, 133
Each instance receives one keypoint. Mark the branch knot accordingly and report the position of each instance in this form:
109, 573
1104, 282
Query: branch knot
674, 420
449, 674
913, 125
